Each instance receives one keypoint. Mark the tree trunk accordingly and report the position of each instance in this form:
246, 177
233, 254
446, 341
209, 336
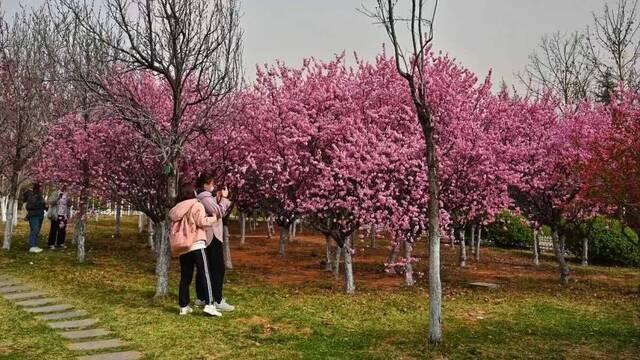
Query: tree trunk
408, 264
349, 283
294, 227
3, 208
336, 263
392, 258
536, 256
118, 218
478, 242
562, 264
329, 265
463, 249
226, 245
243, 227
472, 242
284, 238
585, 252
79, 235
372, 236
141, 221
290, 230
152, 236
435, 285
8, 225
163, 259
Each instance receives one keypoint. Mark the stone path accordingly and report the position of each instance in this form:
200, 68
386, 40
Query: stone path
72, 324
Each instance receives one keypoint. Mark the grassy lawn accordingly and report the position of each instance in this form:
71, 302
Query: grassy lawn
290, 309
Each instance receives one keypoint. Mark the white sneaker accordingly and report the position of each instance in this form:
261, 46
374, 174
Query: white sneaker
224, 306
52, 247
186, 310
199, 303
211, 310
35, 249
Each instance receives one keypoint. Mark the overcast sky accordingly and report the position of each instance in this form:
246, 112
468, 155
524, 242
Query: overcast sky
481, 34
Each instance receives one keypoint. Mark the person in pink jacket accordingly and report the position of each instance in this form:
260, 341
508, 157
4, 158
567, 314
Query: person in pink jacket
190, 208
218, 206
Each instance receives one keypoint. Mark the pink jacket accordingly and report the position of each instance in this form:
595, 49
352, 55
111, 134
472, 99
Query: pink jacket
198, 220
216, 208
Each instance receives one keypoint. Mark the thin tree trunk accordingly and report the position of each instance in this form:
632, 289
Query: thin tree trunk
8, 225
226, 245
141, 221
294, 227
329, 265
79, 235
163, 259
478, 243
3, 208
392, 258
472, 242
336, 263
372, 236
284, 238
585, 252
408, 264
562, 264
152, 236
243, 227
15, 214
463, 249
118, 218
349, 283
290, 230
536, 255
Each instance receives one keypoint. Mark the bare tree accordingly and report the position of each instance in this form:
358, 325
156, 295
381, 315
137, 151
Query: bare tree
193, 47
410, 62
560, 65
26, 100
613, 42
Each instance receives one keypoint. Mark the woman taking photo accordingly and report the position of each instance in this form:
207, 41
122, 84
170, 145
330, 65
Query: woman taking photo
219, 207
191, 220
59, 216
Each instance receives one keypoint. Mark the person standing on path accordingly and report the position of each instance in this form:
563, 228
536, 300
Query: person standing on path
192, 220
217, 206
59, 216
35, 205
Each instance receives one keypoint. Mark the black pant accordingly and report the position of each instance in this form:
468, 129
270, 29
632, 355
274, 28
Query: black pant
217, 270
194, 259
58, 231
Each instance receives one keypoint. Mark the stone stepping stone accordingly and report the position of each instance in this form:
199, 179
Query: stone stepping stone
23, 296
83, 334
484, 285
72, 324
37, 302
61, 316
96, 345
124, 355
49, 309
4, 283
14, 289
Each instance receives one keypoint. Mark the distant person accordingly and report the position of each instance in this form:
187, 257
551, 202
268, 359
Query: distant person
217, 206
59, 216
36, 206
191, 215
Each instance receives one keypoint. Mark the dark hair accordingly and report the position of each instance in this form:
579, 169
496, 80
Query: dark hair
187, 191
205, 177
37, 189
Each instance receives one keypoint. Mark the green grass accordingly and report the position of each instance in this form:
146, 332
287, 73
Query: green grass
597, 317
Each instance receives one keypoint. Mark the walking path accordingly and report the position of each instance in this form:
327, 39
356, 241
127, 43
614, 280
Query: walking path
74, 325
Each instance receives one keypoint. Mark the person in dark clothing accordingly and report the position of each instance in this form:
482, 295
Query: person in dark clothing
59, 216
36, 206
